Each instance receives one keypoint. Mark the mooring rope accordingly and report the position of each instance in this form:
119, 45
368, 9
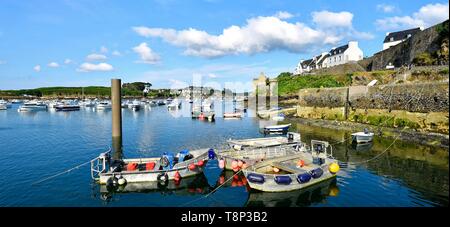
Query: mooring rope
61, 173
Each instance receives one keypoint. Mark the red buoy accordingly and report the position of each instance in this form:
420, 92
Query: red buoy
191, 166
177, 176
132, 166
200, 163
150, 166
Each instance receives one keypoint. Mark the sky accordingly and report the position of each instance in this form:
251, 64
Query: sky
169, 42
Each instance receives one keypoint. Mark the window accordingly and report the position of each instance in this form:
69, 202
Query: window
340, 58
392, 39
334, 59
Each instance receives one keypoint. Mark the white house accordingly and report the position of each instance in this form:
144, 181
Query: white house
344, 54
336, 56
394, 38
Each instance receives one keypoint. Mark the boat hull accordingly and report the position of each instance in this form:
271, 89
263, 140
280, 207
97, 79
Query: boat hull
359, 138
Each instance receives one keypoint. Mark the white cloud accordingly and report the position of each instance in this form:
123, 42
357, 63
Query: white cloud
103, 50
283, 15
67, 61
427, 16
53, 65
96, 57
2, 62
385, 8
260, 34
37, 68
146, 53
116, 53
89, 67
327, 19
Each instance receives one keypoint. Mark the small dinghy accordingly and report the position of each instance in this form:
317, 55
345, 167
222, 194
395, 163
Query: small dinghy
158, 169
240, 159
277, 129
362, 137
232, 115
290, 138
293, 172
206, 115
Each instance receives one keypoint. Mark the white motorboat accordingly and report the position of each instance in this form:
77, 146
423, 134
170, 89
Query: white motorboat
290, 138
104, 105
87, 103
5, 103
175, 104
67, 106
16, 101
32, 106
363, 137
279, 117
236, 115
135, 105
3, 107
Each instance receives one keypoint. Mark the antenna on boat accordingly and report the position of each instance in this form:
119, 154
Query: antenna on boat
116, 101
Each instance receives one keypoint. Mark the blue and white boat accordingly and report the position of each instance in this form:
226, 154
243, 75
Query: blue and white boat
277, 129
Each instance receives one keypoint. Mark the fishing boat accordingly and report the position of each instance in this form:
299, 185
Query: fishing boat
161, 103
236, 115
293, 172
362, 137
67, 107
240, 159
32, 106
162, 169
290, 138
103, 105
152, 103
276, 129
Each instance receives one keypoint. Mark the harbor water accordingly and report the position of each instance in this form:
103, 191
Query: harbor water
40, 144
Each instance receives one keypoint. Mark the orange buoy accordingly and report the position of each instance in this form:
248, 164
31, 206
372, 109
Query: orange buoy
244, 181
240, 184
276, 170
234, 164
240, 163
150, 166
177, 176
132, 166
191, 166
221, 179
222, 163
236, 169
244, 166
301, 163
200, 163
233, 184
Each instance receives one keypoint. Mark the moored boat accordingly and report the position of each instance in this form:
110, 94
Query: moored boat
240, 159
67, 107
103, 105
362, 137
290, 138
276, 129
5, 103
158, 169
237, 115
293, 172
32, 106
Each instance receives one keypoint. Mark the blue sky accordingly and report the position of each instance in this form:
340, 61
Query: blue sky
81, 43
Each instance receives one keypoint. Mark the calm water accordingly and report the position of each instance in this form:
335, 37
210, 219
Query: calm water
37, 145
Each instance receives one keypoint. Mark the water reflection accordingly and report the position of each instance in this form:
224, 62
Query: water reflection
190, 186
305, 197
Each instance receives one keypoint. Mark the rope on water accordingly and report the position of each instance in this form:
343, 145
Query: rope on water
61, 173
215, 189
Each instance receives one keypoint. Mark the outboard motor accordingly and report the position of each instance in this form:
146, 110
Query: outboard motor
167, 161
293, 137
366, 131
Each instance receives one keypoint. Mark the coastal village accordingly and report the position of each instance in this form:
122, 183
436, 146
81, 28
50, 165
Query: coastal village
370, 121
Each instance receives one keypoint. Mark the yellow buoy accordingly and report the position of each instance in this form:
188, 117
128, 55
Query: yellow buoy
334, 168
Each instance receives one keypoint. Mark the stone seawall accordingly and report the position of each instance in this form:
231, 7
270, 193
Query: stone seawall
419, 106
